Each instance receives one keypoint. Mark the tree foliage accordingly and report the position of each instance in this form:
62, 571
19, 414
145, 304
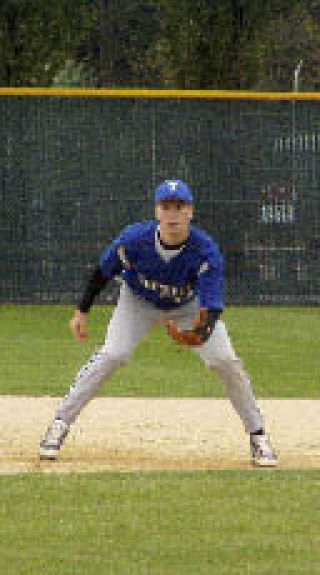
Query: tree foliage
37, 38
121, 42
286, 42
199, 44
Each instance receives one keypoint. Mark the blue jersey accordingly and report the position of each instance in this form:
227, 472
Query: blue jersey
197, 269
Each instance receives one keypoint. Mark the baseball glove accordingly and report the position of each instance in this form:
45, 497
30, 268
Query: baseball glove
202, 329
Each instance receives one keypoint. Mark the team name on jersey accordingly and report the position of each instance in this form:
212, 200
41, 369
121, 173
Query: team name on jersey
178, 294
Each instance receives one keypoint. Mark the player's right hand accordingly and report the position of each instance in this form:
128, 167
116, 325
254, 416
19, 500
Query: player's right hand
78, 325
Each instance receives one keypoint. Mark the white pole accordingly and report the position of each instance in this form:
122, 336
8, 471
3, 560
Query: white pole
294, 194
296, 76
295, 87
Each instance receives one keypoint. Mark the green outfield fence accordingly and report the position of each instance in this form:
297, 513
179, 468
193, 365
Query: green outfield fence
78, 165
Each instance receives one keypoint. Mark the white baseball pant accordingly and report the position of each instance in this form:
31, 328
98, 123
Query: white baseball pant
132, 319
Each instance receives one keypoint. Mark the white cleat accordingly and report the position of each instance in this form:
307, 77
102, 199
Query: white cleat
262, 452
54, 438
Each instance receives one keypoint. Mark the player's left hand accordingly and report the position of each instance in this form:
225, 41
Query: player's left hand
201, 331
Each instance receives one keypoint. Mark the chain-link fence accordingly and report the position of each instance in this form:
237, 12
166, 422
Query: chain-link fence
76, 169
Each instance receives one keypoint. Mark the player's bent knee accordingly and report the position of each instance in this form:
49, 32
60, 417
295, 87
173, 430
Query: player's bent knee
221, 360
227, 364
118, 358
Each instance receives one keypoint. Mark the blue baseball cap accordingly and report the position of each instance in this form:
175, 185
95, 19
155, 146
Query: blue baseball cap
173, 190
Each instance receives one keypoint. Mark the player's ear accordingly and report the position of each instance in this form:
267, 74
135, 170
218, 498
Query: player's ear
191, 210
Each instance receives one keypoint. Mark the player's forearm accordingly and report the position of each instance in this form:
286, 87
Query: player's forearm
94, 286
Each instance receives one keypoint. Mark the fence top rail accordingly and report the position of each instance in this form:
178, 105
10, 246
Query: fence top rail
153, 93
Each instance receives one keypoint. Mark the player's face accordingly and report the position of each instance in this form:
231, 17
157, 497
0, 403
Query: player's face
174, 217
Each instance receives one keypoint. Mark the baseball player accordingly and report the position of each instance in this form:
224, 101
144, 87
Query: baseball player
172, 272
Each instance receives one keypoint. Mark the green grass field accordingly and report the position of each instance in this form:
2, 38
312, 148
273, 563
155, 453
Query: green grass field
280, 347
223, 522
229, 523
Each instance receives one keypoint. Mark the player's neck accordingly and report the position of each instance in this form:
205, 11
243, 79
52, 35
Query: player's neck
172, 241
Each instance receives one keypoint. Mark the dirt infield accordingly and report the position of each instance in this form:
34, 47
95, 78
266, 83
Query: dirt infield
121, 434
